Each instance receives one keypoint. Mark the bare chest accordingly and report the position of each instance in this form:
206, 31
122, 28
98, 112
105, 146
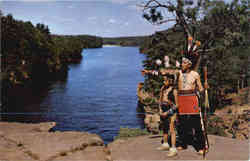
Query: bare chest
166, 94
187, 81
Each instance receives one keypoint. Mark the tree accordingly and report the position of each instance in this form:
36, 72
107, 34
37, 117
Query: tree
221, 28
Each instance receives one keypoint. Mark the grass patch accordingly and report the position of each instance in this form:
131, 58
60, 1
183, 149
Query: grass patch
131, 132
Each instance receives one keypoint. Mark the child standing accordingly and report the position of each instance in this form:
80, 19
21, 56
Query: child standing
168, 95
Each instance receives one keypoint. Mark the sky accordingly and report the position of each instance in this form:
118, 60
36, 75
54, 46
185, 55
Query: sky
105, 18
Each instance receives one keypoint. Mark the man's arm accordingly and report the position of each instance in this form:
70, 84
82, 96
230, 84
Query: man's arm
176, 97
153, 72
200, 87
169, 71
161, 98
161, 71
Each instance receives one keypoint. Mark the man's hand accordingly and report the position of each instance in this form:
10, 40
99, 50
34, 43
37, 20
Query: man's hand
168, 71
206, 86
154, 72
164, 114
144, 71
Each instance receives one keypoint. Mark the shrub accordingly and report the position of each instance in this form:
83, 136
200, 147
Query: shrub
216, 130
131, 132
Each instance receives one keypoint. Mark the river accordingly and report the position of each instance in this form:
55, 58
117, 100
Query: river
98, 95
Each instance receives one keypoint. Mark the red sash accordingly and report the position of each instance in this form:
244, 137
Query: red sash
188, 104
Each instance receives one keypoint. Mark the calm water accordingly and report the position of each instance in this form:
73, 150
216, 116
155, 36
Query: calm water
98, 95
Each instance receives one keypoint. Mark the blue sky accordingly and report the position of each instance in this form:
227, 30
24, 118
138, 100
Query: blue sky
106, 18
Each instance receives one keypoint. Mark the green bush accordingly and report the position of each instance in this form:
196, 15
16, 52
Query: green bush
216, 130
148, 100
215, 119
131, 132
214, 127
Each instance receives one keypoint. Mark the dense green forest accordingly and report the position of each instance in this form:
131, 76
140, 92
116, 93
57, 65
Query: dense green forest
30, 52
70, 47
224, 32
125, 41
31, 56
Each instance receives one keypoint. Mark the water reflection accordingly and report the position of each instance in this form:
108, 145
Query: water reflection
24, 104
98, 95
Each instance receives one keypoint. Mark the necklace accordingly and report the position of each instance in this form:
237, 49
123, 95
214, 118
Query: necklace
184, 80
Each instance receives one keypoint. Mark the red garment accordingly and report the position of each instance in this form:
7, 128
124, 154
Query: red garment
188, 104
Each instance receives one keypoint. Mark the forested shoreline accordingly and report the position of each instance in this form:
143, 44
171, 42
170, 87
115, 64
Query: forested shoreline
125, 41
31, 56
25, 46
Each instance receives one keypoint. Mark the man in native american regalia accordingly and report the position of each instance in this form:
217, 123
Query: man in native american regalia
187, 103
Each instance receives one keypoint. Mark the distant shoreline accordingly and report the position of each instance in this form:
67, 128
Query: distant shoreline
107, 45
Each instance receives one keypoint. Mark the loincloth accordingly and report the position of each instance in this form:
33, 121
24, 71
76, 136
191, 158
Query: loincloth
188, 103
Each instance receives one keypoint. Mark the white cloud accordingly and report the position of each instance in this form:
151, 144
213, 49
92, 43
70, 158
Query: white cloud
110, 1
107, 31
112, 20
92, 18
120, 1
32, 0
67, 20
135, 7
71, 7
58, 19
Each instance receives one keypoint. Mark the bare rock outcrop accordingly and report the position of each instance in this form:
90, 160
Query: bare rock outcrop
20, 144
28, 142
10, 151
7, 128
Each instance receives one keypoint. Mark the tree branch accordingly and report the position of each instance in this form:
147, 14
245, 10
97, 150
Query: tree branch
165, 21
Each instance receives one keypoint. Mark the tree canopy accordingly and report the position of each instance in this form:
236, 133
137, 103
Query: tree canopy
27, 50
221, 29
